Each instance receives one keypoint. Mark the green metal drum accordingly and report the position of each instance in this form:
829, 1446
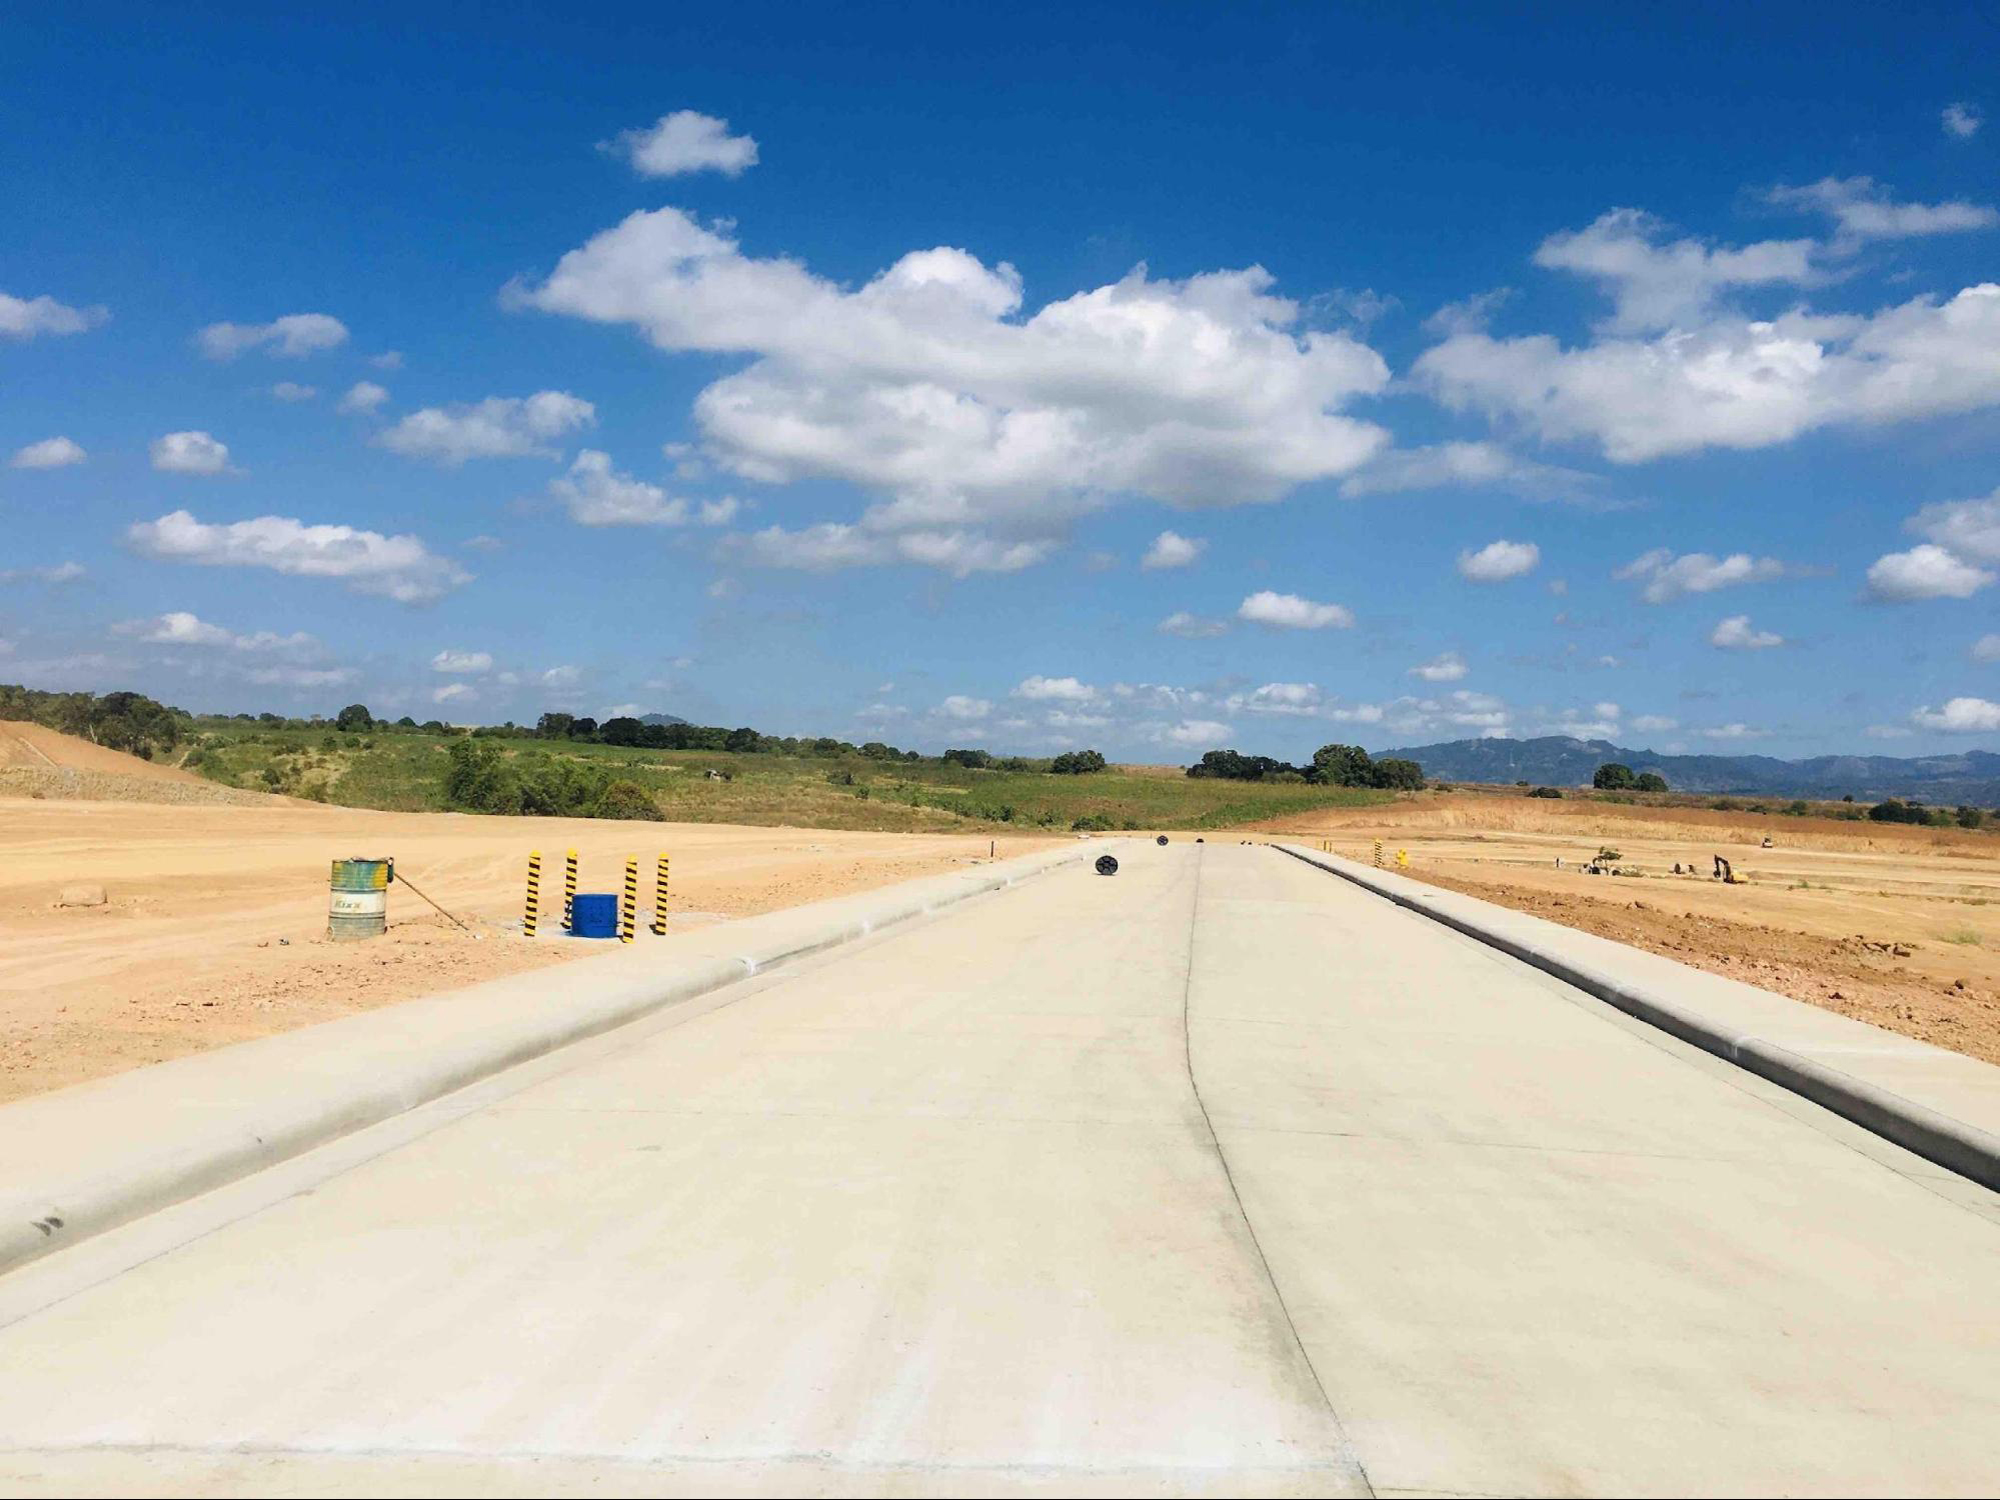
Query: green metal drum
358, 903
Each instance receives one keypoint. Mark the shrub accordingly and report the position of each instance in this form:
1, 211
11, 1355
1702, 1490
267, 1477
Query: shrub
1650, 781
1091, 823
627, 799
1613, 776
1077, 763
1544, 791
1969, 817
1894, 810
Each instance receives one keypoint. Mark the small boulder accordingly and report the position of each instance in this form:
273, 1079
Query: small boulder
86, 894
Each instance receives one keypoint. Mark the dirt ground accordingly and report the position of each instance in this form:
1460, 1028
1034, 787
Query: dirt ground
1892, 925
213, 924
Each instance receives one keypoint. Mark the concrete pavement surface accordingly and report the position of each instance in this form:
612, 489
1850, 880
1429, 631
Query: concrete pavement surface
1217, 1176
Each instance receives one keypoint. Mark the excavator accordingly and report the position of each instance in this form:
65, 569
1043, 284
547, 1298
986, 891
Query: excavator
1724, 873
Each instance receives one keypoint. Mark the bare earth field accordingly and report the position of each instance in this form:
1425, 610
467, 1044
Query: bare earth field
1893, 925
213, 926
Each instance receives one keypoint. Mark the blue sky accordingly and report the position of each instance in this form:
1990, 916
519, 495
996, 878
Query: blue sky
1153, 379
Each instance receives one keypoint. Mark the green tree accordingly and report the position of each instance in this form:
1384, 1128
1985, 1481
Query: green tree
1396, 774
1077, 763
1969, 817
1650, 781
354, 718
1342, 765
1613, 776
554, 726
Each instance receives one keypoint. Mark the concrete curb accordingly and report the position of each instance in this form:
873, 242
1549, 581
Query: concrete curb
1952, 1143
89, 1158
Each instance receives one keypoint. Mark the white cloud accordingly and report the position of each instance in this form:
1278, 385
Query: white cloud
1192, 627
1290, 699
1888, 732
1967, 528
682, 142
1730, 381
1657, 284
293, 336
396, 567
1738, 731
1986, 649
291, 390
498, 427
31, 317
1925, 572
301, 677
462, 663
1669, 577
363, 396
1207, 733
927, 388
1499, 561
49, 453
388, 359
597, 494
1449, 667
1443, 465
1470, 315
180, 628
1654, 723
1737, 634
1172, 550
452, 692
1055, 690
66, 572
963, 709
1960, 716
190, 453
1290, 612
564, 676
1961, 121
1863, 210
831, 545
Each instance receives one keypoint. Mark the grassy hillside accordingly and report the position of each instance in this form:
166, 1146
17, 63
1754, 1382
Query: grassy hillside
404, 771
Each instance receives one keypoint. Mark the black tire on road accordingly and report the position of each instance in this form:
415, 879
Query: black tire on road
1106, 865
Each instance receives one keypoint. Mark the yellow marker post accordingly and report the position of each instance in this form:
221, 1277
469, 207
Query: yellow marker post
1378, 854
1402, 859
628, 913
534, 894
660, 898
569, 891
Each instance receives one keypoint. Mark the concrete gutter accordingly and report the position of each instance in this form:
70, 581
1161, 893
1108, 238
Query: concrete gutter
1941, 1105
82, 1160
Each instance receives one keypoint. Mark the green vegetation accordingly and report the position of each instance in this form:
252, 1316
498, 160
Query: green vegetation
130, 722
1546, 791
1332, 765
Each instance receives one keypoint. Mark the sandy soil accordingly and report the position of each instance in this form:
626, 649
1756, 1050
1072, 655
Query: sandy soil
40, 763
213, 927
1896, 926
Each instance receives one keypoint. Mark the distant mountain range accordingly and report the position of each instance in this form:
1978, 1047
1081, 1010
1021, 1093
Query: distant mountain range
1557, 760
661, 719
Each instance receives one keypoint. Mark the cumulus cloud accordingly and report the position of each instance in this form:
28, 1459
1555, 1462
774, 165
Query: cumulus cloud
1192, 732
832, 544
1863, 210
181, 628
597, 494
1656, 283
1673, 371
1055, 690
1986, 649
1737, 634
1463, 464
1737, 731
1499, 561
1192, 627
964, 710
291, 390
1654, 723
1172, 550
1290, 612
1966, 528
66, 572
1289, 699
396, 567
292, 336
27, 318
1667, 577
452, 692
1926, 572
49, 453
1960, 716
363, 396
462, 663
190, 453
1448, 667
1961, 121
682, 142
928, 388
498, 427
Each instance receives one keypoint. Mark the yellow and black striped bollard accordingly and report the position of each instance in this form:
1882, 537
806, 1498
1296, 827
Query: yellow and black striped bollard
569, 891
628, 913
1378, 854
534, 894
660, 898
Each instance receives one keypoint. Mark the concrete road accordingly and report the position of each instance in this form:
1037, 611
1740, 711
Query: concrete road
1220, 1176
